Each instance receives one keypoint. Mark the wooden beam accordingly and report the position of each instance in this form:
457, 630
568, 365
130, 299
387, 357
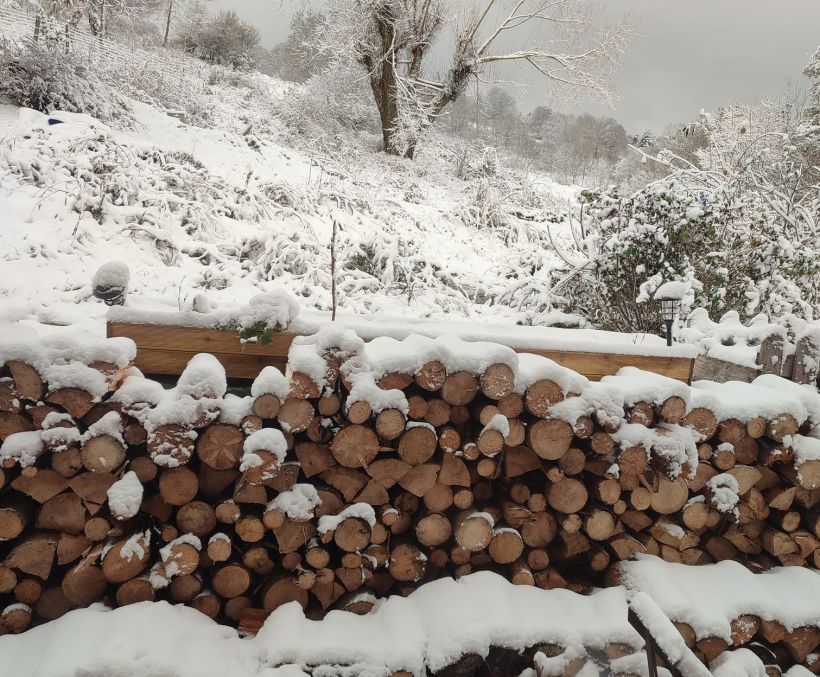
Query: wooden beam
164, 349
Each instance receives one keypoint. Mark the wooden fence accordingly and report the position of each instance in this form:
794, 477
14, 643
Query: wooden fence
165, 350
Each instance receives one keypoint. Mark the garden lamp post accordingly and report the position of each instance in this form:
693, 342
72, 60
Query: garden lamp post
669, 308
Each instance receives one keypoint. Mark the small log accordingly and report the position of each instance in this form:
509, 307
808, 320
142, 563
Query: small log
497, 381
127, 559
407, 563
432, 530
27, 382
231, 580
390, 424
567, 496
417, 445
267, 406
506, 546
196, 517
15, 514
473, 532
355, 446
670, 496
459, 388
702, 420
431, 376
170, 445
134, 591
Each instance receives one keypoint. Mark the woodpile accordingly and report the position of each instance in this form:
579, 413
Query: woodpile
338, 487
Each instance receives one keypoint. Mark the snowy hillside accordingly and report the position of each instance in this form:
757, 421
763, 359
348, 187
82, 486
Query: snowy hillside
231, 207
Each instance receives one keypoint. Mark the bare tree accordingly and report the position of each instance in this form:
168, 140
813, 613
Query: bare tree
393, 39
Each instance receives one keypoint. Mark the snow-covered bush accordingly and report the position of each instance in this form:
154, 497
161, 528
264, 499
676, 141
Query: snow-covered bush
45, 78
740, 227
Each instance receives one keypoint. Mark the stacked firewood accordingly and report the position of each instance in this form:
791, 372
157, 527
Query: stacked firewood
335, 487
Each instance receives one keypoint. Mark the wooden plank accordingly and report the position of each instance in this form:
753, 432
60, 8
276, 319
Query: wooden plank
154, 361
192, 339
166, 349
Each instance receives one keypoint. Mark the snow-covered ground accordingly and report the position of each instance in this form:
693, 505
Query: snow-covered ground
235, 208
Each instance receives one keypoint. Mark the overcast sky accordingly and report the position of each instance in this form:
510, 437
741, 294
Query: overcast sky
689, 54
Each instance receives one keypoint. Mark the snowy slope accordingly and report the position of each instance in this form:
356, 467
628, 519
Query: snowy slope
234, 208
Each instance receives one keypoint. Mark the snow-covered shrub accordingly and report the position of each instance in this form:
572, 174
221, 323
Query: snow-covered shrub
45, 78
740, 228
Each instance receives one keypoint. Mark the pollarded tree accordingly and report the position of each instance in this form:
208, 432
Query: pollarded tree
392, 41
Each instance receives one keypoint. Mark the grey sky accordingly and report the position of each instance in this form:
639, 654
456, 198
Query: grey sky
689, 54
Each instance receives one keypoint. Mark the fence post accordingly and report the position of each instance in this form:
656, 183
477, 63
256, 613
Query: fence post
38, 25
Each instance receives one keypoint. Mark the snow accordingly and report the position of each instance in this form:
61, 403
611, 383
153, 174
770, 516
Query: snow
233, 409
305, 358
112, 274
637, 385
724, 491
674, 289
710, 596
361, 510
598, 399
500, 423
363, 388
807, 394
267, 439
532, 368
738, 663
135, 545
54, 418
15, 607
744, 401
125, 496
23, 447
203, 376
425, 631
271, 381
187, 539
75, 375
666, 636
276, 308
60, 439
676, 445
110, 425
805, 448
22, 343
298, 503
136, 389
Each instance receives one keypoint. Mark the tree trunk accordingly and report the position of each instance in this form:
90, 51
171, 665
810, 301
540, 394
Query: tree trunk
168, 22
383, 79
